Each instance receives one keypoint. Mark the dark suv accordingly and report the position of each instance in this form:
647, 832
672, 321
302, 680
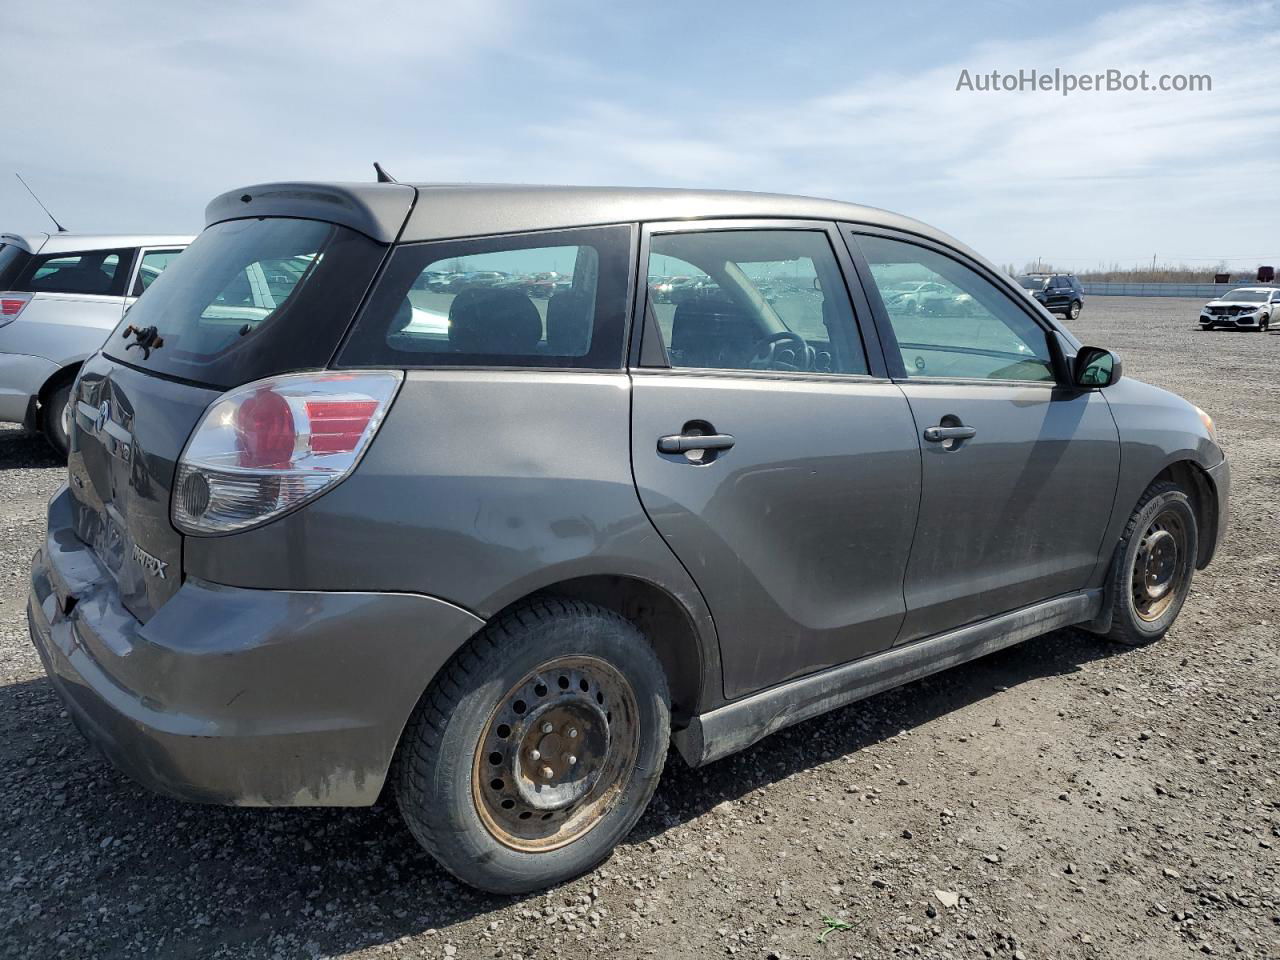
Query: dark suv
495, 551
1060, 293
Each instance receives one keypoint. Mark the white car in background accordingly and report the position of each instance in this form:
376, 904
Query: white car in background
1244, 308
60, 296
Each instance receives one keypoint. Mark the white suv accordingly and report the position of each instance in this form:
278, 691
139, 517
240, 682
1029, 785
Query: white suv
60, 295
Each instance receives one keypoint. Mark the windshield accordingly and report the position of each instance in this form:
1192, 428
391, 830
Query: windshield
1033, 283
12, 259
1247, 296
249, 299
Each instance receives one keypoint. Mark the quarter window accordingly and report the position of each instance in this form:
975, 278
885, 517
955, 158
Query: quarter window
951, 322
753, 300
548, 299
152, 265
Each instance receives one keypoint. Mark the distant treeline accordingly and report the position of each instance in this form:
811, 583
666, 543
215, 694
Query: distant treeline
1160, 273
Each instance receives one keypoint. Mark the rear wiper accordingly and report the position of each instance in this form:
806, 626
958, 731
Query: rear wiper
146, 339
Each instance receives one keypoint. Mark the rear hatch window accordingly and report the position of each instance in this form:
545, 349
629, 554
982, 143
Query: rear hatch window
12, 260
250, 299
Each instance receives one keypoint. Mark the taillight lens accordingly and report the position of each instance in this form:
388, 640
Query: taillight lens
12, 304
266, 447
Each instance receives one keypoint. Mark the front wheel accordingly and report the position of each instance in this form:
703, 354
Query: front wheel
1206, 326
1152, 570
537, 748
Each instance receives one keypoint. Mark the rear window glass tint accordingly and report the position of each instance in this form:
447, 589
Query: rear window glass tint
553, 299
250, 299
12, 259
92, 272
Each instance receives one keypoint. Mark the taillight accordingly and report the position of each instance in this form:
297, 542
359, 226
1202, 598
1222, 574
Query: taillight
12, 304
266, 447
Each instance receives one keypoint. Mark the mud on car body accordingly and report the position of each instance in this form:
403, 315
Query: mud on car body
332, 525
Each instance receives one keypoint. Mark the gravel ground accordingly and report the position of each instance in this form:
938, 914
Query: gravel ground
1060, 799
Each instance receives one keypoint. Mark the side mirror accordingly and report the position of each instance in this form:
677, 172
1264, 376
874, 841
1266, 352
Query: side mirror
1096, 367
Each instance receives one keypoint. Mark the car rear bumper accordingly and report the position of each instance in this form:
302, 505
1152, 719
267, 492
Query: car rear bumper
21, 378
237, 696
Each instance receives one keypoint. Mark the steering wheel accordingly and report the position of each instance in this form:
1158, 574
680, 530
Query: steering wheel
783, 350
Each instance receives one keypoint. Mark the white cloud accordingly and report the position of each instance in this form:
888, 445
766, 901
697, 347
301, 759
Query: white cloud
134, 121
1091, 176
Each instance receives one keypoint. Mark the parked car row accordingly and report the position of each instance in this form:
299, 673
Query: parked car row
540, 286
498, 556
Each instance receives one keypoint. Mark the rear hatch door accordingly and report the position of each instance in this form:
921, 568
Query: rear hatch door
249, 299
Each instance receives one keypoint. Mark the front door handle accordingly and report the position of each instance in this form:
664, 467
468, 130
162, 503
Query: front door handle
684, 442
939, 434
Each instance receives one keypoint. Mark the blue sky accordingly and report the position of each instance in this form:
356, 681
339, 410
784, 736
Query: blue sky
132, 116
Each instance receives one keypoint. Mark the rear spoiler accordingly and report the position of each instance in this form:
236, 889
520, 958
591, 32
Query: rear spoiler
378, 210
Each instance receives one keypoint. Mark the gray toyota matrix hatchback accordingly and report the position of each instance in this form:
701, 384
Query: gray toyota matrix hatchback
421, 488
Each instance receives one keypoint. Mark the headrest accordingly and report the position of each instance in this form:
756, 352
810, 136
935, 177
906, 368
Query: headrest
711, 332
494, 321
569, 316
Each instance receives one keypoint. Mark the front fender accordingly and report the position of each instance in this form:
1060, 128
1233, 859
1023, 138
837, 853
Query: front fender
1158, 430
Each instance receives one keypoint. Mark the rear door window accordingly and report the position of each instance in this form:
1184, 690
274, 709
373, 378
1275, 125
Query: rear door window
552, 299
88, 272
250, 299
753, 300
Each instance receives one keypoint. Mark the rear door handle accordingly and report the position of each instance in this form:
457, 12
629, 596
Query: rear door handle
684, 442
939, 434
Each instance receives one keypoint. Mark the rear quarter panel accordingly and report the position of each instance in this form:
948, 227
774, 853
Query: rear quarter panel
480, 488
61, 327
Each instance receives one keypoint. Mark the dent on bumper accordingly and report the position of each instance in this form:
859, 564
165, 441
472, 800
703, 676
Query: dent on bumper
21, 378
229, 695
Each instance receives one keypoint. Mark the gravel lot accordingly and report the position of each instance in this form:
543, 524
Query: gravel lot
1059, 799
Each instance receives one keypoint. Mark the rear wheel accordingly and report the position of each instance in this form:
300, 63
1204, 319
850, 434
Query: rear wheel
51, 422
537, 749
1153, 566
1073, 311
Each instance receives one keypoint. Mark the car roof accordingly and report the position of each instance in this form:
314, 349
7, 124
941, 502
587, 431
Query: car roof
67, 242
445, 211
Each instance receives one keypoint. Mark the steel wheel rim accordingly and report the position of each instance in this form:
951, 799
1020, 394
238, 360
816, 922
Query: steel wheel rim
1159, 566
556, 754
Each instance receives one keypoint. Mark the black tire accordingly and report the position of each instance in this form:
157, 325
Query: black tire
444, 790
1206, 327
1137, 618
1073, 311
51, 418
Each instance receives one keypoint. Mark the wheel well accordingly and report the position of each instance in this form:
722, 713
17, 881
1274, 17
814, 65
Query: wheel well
662, 619
63, 375
1190, 476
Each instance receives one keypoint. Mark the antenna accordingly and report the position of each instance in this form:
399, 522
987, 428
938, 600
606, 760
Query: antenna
61, 228
383, 176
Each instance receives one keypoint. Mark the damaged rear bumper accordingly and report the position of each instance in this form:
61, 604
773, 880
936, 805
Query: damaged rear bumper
229, 695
